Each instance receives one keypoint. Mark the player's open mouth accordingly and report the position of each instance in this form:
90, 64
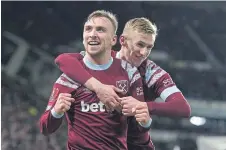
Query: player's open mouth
93, 43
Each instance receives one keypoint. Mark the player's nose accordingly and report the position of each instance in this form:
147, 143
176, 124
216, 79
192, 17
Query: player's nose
93, 34
143, 52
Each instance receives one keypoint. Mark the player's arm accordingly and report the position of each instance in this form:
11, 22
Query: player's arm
161, 84
174, 103
59, 102
67, 63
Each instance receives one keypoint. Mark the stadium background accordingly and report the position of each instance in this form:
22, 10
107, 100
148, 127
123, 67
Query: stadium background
190, 46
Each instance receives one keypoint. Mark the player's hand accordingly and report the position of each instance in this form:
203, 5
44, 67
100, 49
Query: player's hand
142, 113
63, 103
108, 96
128, 105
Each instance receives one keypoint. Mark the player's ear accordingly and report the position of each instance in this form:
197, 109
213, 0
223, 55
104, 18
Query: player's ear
114, 40
122, 40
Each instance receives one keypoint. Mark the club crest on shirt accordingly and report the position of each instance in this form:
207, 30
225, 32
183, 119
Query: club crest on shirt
123, 85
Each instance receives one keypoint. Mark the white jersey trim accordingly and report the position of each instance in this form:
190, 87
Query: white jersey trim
129, 69
135, 78
168, 91
69, 79
149, 72
55, 114
156, 77
70, 83
48, 107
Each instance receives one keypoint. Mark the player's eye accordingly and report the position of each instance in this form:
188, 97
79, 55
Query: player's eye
88, 28
100, 29
149, 47
141, 45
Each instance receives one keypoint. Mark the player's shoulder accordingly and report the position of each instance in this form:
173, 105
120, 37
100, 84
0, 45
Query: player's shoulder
81, 53
71, 54
79, 56
64, 80
153, 72
126, 67
150, 65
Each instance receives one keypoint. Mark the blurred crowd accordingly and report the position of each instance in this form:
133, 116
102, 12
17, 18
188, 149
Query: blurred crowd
20, 130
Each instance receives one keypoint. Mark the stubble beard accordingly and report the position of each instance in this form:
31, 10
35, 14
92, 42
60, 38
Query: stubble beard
99, 54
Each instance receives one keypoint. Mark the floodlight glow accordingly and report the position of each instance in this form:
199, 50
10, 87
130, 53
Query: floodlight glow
198, 121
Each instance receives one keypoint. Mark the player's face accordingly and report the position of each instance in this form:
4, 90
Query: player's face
98, 36
139, 47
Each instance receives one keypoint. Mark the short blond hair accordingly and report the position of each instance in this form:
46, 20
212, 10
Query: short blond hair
141, 25
103, 13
